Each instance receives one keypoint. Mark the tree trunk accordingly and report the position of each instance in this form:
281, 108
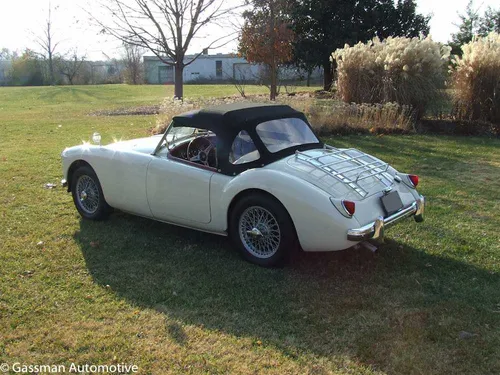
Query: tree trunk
272, 95
309, 72
51, 70
179, 83
327, 75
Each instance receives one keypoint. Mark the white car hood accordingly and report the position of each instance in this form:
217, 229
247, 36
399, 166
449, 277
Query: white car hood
144, 145
298, 167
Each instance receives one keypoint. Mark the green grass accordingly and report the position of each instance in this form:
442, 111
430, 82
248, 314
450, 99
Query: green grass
172, 300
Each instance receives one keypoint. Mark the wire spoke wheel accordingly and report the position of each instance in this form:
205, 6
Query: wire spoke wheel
87, 194
259, 232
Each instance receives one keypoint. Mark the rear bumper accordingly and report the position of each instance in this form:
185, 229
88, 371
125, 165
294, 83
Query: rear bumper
375, 230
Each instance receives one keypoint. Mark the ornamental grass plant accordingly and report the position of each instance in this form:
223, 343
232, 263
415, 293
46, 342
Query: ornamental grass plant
407, 71
476, 81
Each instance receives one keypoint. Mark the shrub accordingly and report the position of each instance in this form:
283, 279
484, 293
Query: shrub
476, 80
407, 71
326, 116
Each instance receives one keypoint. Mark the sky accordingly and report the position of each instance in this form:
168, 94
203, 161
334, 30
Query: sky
22, 20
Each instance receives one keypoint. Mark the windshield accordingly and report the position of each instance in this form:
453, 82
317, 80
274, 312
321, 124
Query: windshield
178, 133
284, 133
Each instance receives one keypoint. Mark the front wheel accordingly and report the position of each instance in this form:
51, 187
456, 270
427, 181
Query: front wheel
262, 230
87, 194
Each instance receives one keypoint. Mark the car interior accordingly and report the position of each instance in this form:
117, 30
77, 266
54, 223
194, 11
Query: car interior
201, 150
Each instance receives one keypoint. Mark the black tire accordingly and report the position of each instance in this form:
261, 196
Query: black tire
100, 209
250, 245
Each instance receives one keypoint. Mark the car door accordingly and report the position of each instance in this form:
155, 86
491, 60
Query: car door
178, 191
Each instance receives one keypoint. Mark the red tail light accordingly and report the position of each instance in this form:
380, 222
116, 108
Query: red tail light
349, 206
414, 179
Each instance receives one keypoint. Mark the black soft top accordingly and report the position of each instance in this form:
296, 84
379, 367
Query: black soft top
235, 115
227, 120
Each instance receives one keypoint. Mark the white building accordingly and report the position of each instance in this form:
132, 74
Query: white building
211, 69
206, 68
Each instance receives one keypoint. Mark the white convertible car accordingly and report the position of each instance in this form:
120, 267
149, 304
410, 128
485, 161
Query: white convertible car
255, 172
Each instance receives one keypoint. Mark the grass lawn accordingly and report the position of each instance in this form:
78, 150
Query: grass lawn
172, 300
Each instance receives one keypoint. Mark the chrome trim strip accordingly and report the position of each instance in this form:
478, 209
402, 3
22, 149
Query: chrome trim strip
224, 234
375, 230
163, 137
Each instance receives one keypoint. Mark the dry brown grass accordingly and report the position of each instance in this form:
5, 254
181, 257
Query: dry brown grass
327, 116
341, 118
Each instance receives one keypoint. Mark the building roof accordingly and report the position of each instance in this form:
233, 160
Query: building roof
202, 56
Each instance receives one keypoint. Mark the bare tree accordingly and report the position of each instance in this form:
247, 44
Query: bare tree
133, 63
46, 41
166, 27
69, 67
239, 78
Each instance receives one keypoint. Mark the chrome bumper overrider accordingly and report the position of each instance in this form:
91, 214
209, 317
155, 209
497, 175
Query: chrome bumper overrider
375, 230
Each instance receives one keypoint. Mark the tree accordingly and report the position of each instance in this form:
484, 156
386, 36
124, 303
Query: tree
69, 67
7, 54
489, 22
266, 38
467, 28
47, 43
322, 26
132, 60
27, 69
165, 27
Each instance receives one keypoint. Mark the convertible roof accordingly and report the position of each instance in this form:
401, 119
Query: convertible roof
228, 120
235, 115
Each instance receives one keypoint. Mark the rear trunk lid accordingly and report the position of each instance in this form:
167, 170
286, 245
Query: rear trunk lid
343, 173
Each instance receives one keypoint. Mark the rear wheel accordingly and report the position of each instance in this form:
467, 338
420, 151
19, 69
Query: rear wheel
262, 230
87, 194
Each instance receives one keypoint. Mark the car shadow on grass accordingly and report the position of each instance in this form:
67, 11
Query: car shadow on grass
399, 310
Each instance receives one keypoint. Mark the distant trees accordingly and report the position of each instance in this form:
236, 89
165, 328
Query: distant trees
467, 28
6, 54
472, 24
490, 22
165, 28
27, 69
132, 59
266, 38
45, 39
70, 66
322, 26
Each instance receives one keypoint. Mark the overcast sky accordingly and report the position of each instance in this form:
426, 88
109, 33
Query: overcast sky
19, 19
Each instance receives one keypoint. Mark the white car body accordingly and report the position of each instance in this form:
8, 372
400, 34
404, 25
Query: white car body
138, 177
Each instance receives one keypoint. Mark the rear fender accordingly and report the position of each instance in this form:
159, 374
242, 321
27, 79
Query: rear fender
318, 224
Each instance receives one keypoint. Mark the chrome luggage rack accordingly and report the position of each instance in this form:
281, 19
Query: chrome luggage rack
350, 176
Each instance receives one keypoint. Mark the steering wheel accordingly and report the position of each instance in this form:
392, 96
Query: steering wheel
202, 155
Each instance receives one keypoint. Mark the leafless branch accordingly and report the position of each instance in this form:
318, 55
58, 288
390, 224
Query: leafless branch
166, 28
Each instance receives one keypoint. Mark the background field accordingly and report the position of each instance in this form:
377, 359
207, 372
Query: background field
171, 300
